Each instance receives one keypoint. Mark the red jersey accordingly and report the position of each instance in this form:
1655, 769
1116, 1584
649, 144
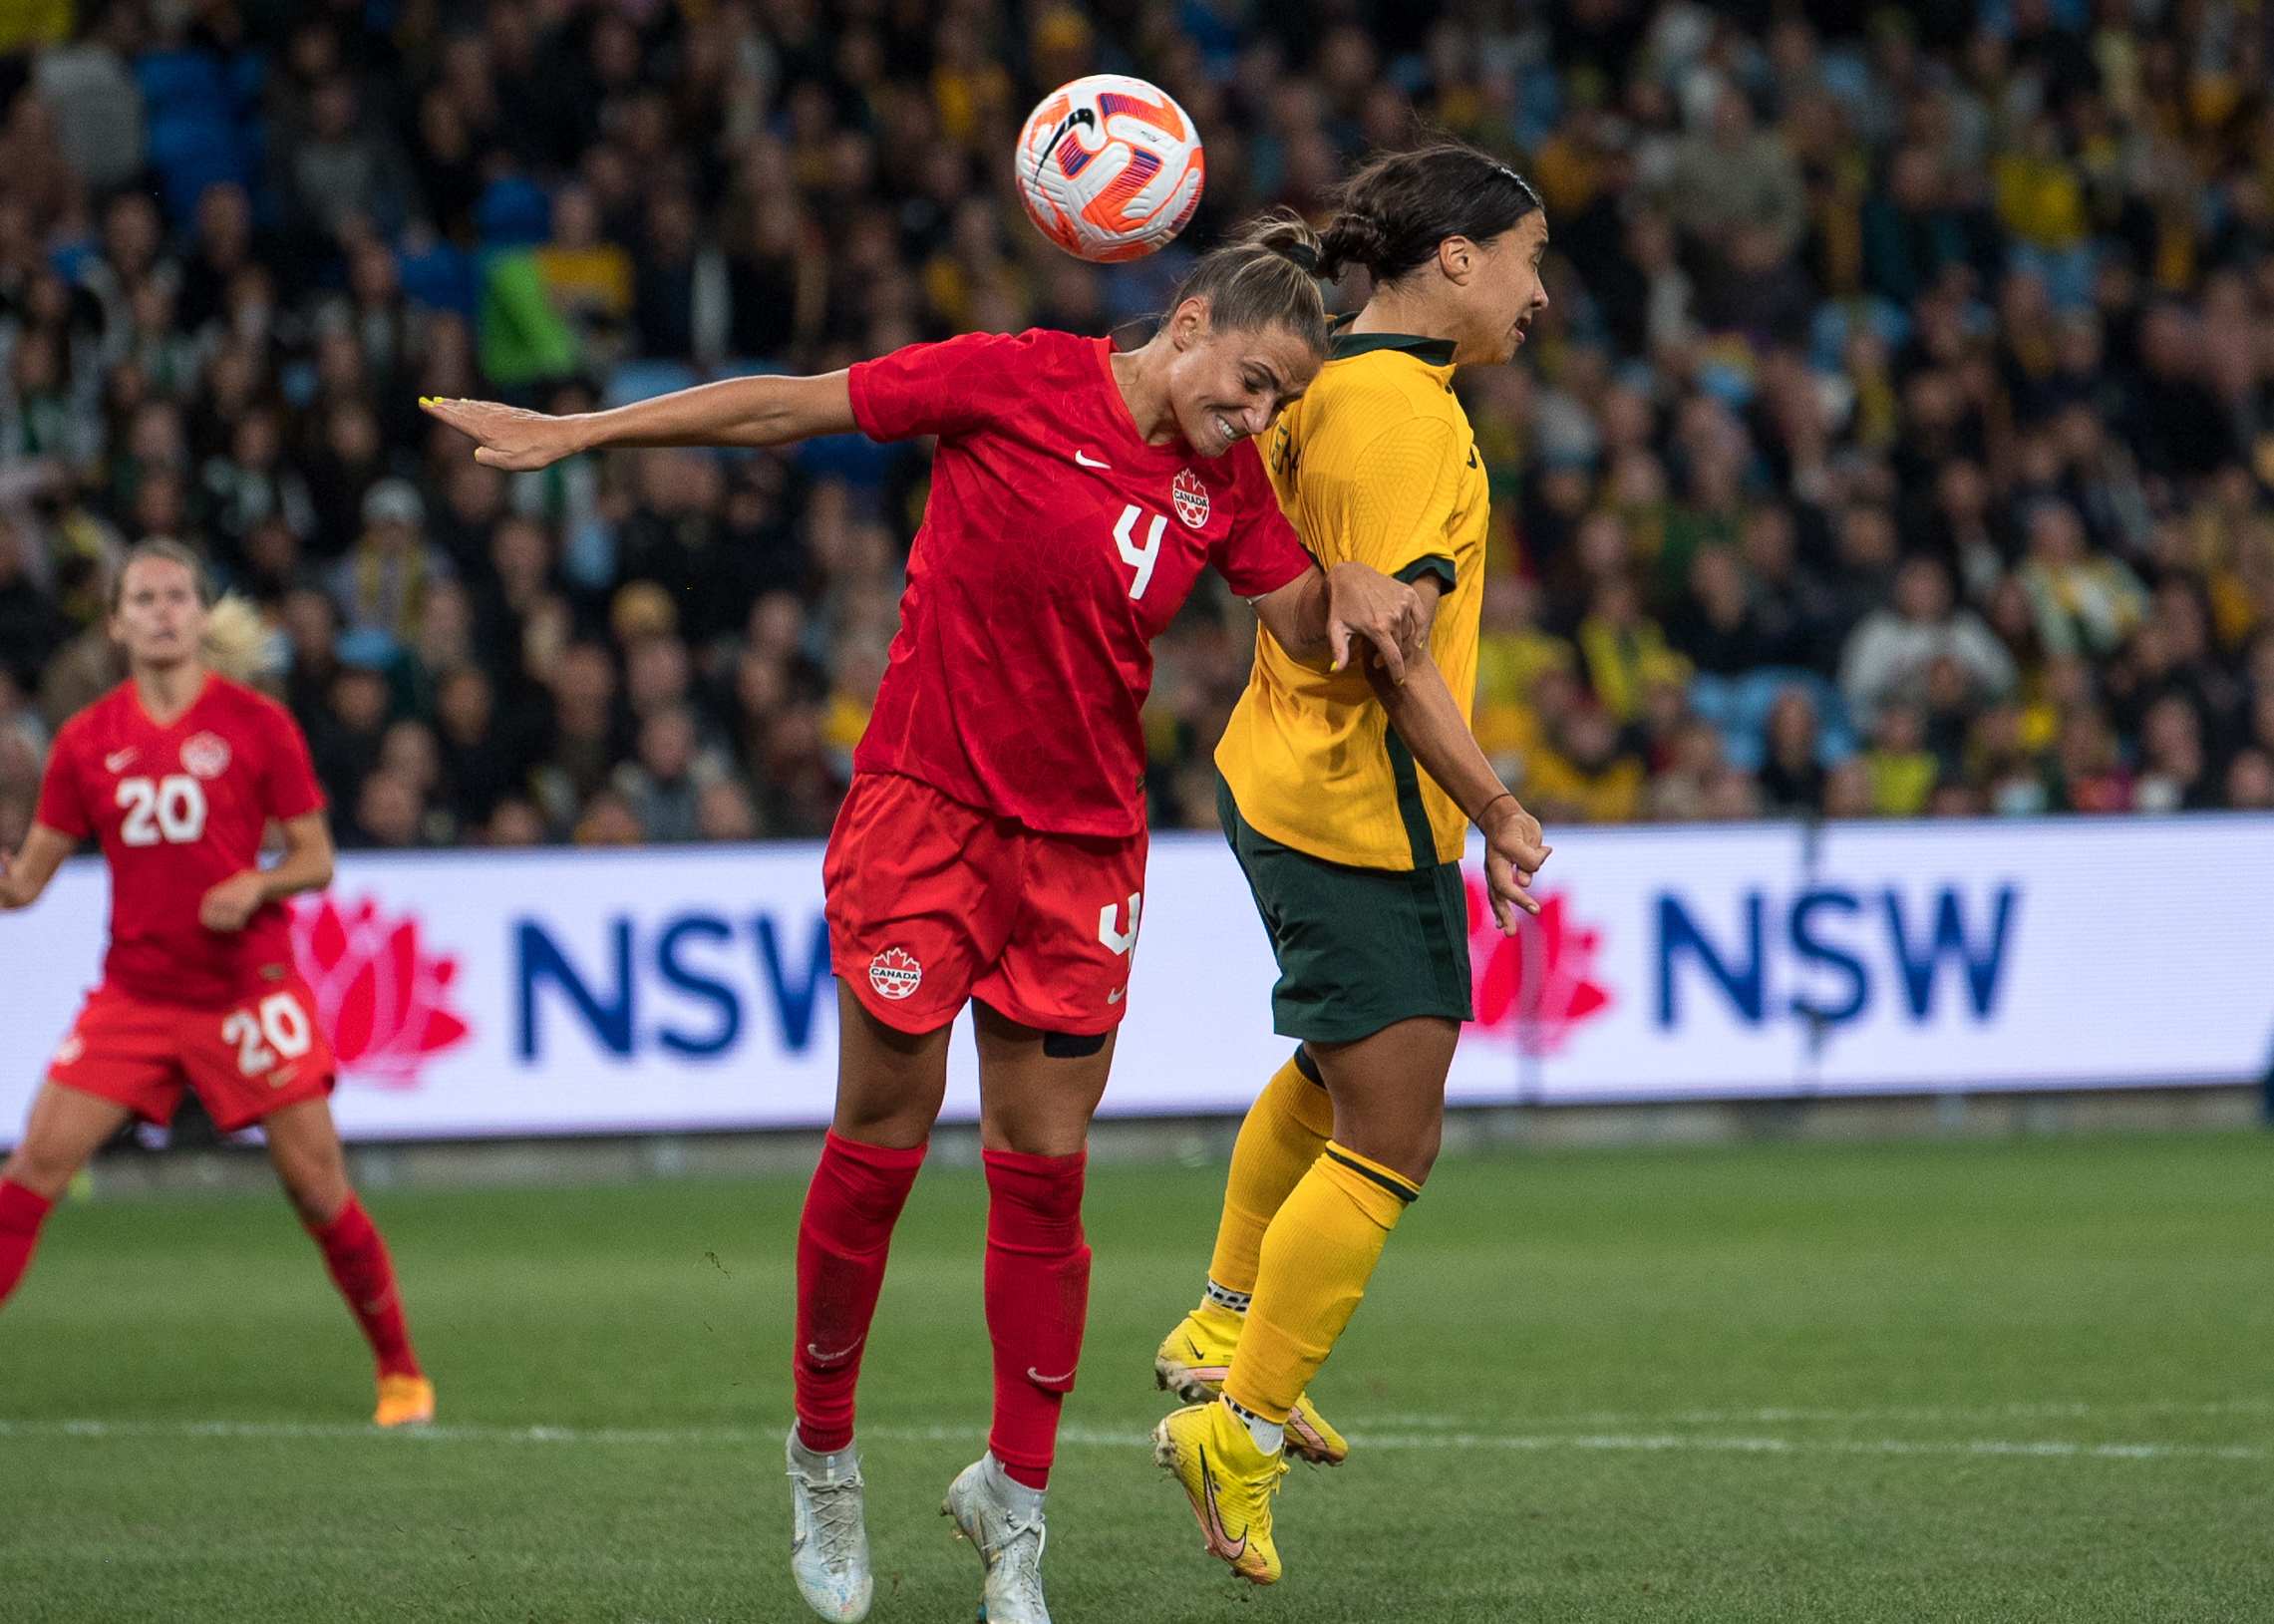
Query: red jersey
1055, 545
179, 810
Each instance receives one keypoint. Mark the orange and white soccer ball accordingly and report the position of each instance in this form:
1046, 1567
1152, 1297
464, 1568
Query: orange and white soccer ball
1109, 168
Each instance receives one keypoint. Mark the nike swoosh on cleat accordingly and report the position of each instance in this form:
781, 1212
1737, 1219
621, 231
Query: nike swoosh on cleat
1229, 1548
1088, 461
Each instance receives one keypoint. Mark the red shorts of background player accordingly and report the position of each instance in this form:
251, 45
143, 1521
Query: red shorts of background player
245, 1059
932, 902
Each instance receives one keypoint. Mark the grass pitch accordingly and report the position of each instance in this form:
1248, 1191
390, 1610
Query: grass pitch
1919, 1381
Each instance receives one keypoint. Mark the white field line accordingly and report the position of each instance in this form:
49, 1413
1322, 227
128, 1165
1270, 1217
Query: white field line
1786, 1413
739, 1437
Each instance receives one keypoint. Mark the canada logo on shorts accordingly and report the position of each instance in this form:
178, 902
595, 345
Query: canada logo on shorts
894, 973
206, 754
1191, 497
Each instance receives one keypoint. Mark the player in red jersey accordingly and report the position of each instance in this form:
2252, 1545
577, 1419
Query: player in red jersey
176, 771
992, 847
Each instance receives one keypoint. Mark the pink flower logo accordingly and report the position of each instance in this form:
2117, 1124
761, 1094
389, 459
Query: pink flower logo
381, 1002
1538, 984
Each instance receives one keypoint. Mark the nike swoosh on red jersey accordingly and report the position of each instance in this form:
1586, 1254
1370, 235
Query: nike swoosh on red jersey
1087, 461
118, 759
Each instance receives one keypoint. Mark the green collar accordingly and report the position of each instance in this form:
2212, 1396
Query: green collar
1429, 352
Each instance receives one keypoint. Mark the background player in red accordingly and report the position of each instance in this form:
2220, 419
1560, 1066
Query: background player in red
992, 847
176, 771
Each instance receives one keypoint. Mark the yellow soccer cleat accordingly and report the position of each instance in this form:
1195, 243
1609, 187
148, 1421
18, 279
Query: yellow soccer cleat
1192, 1361
404, 1401
1229, 1483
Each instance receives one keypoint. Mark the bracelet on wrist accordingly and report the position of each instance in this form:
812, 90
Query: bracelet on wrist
1504, 795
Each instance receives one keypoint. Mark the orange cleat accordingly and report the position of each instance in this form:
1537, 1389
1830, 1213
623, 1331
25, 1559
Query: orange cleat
404, 1401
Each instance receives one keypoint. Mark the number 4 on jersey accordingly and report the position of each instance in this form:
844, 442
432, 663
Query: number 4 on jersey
1139, 558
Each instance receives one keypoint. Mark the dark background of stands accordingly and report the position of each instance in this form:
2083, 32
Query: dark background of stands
1899, 440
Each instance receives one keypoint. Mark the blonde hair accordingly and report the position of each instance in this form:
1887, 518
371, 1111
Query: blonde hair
234, 642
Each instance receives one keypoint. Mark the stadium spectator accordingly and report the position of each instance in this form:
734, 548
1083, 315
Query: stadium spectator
382, 582
1887, 654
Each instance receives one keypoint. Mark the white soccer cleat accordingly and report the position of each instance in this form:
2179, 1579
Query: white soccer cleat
1009, 1543
828, 1540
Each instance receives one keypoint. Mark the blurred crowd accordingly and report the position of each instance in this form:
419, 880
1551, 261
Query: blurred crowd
1899, 440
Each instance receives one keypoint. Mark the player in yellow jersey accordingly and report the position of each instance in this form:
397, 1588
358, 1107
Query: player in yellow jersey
1348, 798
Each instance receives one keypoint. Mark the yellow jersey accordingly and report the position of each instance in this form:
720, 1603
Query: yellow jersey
1375, 465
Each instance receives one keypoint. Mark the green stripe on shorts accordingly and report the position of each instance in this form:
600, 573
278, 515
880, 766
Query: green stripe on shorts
1359, 949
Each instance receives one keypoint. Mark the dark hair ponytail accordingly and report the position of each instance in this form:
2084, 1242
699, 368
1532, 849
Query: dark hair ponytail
1400, 206
1263, 276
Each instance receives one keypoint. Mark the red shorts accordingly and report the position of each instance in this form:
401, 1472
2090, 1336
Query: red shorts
245, 1059
931, 903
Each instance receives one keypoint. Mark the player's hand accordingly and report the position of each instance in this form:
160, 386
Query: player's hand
1514, 851
229, 905
1364, 602
9, 900
506, 437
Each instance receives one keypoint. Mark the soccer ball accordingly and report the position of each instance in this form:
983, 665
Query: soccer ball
1109, 168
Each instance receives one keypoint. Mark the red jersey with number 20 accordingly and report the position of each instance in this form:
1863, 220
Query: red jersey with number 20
1055, 545
179, 810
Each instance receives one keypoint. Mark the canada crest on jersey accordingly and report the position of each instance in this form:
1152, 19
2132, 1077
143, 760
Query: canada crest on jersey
206, 754
1191, 497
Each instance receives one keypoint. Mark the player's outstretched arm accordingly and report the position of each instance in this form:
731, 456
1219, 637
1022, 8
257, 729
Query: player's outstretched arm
1423, 709
1322, 613
305, 867
25, 876
732, 411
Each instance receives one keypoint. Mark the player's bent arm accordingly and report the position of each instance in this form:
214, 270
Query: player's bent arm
25, 876
305, 867
1428, 719
1318, 613
307, 861
769, 410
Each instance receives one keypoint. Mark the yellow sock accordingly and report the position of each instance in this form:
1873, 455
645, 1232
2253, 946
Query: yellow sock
1284, 1131
1317, 1257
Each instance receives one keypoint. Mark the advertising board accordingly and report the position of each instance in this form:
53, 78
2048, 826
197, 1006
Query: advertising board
476, 994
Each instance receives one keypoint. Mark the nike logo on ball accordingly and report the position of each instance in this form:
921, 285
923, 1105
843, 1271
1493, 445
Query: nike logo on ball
1087, 461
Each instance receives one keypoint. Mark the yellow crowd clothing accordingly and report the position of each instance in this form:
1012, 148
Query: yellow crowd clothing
1559, 789
1376, 464
2040, 200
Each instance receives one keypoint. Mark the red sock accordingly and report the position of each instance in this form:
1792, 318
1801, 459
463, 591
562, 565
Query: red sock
843, 1238
22, 1212
357, 1259
1038, 1294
